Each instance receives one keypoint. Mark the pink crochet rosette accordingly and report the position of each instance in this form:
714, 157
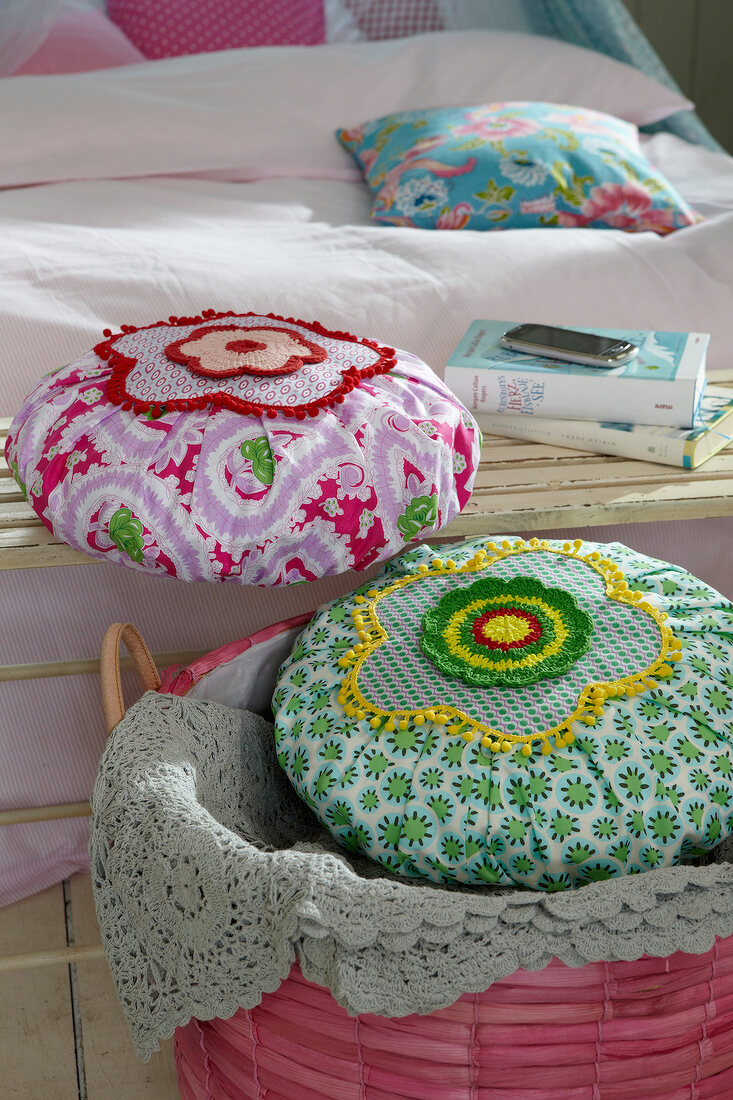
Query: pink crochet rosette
243, 447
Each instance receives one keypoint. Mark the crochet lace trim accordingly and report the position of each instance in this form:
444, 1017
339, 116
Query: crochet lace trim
211, 878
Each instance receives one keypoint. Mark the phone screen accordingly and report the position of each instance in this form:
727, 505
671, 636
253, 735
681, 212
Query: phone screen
585, 343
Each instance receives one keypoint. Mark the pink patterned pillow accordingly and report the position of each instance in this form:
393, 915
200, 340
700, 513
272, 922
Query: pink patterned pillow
247, 447
169, 28
78, 42
395, 18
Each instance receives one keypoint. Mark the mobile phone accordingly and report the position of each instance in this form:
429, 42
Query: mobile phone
569, 344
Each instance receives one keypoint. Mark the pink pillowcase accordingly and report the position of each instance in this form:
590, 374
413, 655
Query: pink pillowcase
78, 42
169, 28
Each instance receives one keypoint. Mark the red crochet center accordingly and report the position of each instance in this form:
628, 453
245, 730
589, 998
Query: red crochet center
534, 632
121, 366
312, 353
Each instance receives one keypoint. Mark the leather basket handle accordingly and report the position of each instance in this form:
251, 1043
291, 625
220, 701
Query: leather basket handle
112, 700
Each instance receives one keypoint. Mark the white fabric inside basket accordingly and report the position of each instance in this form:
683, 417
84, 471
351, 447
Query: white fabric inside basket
247, 681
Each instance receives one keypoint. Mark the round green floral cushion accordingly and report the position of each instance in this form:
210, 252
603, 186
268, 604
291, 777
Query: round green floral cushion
537, 713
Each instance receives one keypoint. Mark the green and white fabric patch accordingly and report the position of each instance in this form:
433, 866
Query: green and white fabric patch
540, 713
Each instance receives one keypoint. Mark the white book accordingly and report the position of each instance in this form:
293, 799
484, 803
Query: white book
683, 447
662, 385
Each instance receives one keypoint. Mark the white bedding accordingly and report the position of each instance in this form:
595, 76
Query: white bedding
273, 111
79, 256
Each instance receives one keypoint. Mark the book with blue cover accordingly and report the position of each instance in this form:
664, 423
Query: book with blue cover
685, 447
662, 385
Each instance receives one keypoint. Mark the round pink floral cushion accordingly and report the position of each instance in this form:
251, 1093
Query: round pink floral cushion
243, 447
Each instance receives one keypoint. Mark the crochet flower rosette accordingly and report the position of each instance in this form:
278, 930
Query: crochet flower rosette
455, 717
508, 632
238, 362
243, 447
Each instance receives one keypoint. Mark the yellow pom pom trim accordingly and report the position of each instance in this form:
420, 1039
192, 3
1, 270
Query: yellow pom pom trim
457, 723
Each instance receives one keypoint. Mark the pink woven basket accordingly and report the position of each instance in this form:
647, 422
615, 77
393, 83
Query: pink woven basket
659, 1028
653, 1028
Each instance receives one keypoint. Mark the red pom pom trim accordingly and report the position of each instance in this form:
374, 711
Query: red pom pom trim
352, 377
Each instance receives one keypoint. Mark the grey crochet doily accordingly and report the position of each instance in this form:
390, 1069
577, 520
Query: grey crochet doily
211, 878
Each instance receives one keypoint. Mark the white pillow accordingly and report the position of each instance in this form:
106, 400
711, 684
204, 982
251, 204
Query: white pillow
273, 111
505, 15
23, 26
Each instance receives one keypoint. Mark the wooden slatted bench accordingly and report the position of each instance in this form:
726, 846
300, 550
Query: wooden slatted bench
519, 486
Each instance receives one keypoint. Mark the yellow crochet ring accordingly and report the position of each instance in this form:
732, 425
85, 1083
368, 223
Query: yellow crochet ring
452, 634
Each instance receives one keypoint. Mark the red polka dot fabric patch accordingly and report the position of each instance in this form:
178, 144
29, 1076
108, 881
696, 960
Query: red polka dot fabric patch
170, 28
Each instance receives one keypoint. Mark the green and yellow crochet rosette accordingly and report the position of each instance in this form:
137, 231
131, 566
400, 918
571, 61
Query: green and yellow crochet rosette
538, 713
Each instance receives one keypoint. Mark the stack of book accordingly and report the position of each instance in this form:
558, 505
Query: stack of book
654, 407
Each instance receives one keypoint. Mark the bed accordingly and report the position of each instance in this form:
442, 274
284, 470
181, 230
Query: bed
215, 181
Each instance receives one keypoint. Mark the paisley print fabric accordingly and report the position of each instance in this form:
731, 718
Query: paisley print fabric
513, 165
537, 713
244, 448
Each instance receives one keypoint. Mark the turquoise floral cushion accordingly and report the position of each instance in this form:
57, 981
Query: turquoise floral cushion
513, 166
537, 713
